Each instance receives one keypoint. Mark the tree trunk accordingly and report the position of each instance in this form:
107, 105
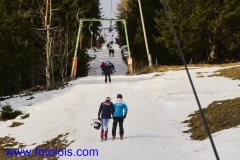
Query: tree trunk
213, 50
48, 73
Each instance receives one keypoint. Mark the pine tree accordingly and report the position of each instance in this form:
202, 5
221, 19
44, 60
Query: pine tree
203, 29
23, 50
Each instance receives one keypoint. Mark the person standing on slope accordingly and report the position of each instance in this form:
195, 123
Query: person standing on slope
105, 110
107, 71
112, 68
120, 111
102, 67
110, 52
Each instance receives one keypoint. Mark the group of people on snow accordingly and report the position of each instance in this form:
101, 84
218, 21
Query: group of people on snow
118, 111
107, 69
111, 50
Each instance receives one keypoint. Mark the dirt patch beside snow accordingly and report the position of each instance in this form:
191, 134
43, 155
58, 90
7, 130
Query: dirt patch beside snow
52, 146
219, 115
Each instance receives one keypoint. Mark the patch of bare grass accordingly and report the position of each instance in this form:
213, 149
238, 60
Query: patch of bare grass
25, 116
16, 124
199, 74
160, 68
220, 115
232, 73
59, 143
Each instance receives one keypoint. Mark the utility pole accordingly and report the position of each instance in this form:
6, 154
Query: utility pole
145, 37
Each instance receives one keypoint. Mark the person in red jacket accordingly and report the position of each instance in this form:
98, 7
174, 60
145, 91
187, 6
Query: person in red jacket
102, 67
105, 110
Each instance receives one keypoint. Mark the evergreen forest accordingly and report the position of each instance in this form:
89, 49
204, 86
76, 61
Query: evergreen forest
208, 31
37, 40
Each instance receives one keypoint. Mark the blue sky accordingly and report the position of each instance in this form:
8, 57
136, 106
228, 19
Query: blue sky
108, 12
106, 5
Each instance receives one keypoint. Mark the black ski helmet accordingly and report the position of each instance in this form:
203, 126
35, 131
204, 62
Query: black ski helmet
119, 96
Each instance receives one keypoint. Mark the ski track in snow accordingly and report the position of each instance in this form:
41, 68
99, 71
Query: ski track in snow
153, 127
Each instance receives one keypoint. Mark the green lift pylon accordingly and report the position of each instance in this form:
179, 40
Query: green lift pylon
91, 20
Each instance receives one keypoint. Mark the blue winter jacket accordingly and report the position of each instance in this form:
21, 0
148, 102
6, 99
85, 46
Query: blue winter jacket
119, 107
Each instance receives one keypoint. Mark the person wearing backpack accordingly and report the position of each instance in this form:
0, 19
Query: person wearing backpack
112, 68
120, 111
104, 114
107, 71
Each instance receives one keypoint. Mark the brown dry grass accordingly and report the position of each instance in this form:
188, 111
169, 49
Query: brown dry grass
16, 124
160, 68
59, 142
220, 115
233, 73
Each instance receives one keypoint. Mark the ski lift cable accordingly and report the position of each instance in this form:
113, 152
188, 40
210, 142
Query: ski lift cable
79, 9
45, 29
190, 80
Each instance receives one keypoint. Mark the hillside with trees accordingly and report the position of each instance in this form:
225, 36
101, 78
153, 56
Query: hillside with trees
31, 55
208, 31
38, 41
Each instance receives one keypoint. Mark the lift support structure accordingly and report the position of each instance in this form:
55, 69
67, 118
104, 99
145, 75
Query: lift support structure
81, 20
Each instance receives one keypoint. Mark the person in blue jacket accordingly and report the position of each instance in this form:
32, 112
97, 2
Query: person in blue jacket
120, 111
105, 110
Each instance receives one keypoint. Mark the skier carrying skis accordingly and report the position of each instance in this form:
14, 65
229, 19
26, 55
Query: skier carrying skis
105, 110
119, 116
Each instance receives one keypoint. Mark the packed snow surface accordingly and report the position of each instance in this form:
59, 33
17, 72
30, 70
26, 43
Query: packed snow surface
158, 103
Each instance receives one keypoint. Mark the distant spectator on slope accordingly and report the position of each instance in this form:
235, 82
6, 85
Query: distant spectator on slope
112, 68
107, 71
102, 68
112, 52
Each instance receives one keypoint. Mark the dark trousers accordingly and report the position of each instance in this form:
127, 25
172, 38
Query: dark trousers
117, 120
109, 78
102, 72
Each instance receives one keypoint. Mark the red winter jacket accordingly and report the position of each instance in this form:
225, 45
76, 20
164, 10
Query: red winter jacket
102, 65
